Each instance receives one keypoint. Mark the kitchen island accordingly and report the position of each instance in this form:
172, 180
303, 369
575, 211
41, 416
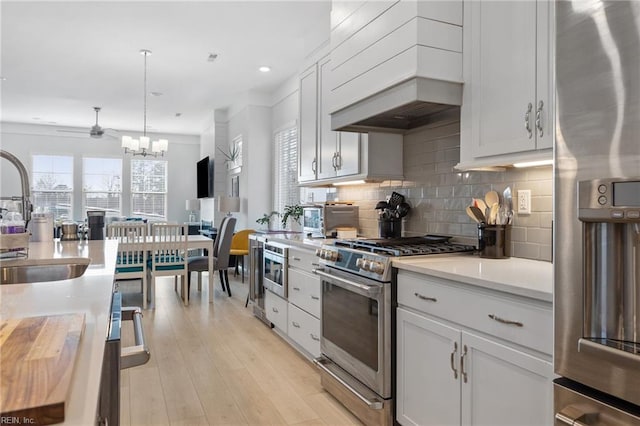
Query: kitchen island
89, 294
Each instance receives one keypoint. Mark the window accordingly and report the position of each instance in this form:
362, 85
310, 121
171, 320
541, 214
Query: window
149, 189
286, 168
102, 185
53, 185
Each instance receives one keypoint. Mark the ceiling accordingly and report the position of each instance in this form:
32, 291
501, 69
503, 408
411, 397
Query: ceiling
60, 59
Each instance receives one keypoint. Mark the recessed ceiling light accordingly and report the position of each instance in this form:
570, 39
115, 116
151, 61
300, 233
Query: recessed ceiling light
3, 78
36, 118
264, 68
52, 122
212, 57
178, 114
155, 93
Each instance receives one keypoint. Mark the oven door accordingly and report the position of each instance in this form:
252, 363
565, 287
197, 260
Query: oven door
275, 273
356, 327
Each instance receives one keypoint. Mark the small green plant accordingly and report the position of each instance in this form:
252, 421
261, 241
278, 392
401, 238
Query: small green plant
266, 218
232, 155
294, 212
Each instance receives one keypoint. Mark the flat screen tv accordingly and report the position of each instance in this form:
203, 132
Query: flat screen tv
205, 178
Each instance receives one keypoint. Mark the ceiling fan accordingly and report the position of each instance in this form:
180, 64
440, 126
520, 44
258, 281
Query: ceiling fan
96, 130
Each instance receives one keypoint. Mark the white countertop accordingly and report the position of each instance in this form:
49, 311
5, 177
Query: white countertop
89, 294
293, 238
524, 277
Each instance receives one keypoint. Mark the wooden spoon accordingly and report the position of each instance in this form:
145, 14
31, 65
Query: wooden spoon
471, 214
491, 198
480, 218
493, 216
479, 203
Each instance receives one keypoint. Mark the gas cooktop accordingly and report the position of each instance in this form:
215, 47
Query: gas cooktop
407, 246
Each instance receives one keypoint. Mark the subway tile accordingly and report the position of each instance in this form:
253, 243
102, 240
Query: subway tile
542, 204
545, 253
539, 236
546, 219
518, 233
526, 250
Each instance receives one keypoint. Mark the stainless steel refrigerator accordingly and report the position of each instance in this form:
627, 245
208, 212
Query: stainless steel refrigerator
597, 213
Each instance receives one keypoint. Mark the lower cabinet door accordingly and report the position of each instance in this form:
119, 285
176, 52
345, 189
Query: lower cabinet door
304, 329
504, 386
428, 386
276, 310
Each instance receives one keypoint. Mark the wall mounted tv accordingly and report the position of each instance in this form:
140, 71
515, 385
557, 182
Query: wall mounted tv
205, 178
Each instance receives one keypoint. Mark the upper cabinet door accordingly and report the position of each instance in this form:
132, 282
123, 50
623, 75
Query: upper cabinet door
307, 158
503, 86
327, 142
348, 158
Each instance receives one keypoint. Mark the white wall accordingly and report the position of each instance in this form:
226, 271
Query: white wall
25, 140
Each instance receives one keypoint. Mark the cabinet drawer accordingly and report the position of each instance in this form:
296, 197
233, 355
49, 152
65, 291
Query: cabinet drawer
303, 259
304, 291
304, 329
276, 310
511, 318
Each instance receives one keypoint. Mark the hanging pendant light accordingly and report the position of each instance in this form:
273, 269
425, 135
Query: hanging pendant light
144, 146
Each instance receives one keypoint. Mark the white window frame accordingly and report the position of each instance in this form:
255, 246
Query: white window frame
52, 192
116, 188
285, 167
152, 193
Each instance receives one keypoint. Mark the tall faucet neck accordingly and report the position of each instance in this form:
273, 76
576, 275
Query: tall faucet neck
24, 182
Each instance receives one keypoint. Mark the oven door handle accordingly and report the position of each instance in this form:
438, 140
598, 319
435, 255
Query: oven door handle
363, 289
133, 356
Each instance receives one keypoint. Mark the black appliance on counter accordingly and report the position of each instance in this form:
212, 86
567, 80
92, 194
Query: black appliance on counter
358, 319
95, 224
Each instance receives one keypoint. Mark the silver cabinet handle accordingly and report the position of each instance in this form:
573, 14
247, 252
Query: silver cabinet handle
313, 165
295, 324
430, 299
527, 124
315, 297
453, 355
132, 356
296, 258
338, 161
505, 321
315, 264
275, 310
314, 337
296, 288
464, 373
334, 161
572, 415
539, 119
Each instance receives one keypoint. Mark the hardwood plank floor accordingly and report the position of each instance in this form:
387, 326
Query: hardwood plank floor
216, 364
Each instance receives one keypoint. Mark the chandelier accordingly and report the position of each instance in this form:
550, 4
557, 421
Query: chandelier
144, 146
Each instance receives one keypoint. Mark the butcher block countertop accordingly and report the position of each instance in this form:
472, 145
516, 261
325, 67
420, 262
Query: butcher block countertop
89, 294
523, 277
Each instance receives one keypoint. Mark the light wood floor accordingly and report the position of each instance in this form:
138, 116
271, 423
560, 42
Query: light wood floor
217, 364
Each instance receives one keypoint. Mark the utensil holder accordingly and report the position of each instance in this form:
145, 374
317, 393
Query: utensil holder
390, 228
494, 241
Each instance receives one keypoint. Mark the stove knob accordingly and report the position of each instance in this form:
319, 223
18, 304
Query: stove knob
377, 267
332, 255
319, 252
323, 254
366, 265
360, 263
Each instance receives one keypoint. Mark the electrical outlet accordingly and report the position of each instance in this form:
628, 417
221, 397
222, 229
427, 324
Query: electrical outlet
524, 201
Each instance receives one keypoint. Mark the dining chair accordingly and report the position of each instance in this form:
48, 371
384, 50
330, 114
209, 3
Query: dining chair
168, 256
240, 248
131, 262
221, 249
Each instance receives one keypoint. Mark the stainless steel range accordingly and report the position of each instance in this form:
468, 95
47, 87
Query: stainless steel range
357, 319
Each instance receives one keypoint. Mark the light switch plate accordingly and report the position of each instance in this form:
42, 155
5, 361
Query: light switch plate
524, 201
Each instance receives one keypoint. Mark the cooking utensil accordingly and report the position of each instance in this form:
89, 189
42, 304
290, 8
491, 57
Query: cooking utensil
491, 198
403, 209
493, 215
479, 203
471, 214
479, 216
69, 231
381, 205
395, 199
506, 196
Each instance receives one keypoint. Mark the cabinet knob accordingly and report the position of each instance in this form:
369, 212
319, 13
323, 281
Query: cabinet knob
295, 324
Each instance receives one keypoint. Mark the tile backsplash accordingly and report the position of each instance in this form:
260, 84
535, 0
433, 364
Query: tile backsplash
438, 195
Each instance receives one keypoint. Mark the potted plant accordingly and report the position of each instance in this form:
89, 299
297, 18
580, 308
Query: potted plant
266, 219
293, 212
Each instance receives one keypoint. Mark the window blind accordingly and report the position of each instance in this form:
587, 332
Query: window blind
286, 191
149, 188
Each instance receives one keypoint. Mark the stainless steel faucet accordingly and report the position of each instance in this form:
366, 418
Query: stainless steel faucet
27, 207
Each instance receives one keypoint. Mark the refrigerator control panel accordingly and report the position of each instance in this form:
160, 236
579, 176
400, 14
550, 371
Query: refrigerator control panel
609, 200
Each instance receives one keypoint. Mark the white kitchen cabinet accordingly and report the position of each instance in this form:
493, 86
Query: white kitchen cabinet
308, 133
304, 329
470, 356
325, 155
508, 92
276, 310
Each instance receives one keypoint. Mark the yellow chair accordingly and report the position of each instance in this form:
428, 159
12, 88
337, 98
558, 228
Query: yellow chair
240, 247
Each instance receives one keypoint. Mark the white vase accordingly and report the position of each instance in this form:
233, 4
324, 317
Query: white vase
294, 225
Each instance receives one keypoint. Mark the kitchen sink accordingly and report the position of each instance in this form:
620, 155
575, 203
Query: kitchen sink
33, 271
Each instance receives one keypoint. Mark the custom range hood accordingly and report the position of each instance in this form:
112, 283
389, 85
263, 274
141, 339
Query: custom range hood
413, 103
